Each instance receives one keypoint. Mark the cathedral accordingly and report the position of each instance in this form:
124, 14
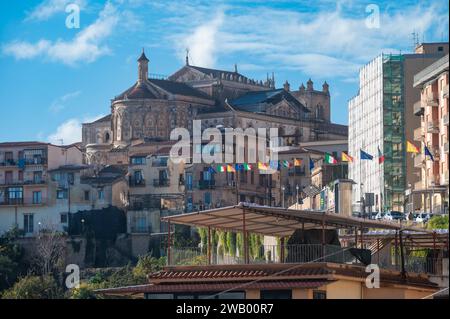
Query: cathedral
152, 107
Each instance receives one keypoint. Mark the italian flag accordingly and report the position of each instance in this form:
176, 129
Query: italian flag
247, 167
221, 168
330, 159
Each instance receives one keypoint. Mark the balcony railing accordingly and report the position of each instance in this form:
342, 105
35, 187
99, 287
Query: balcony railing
265, 254
432, 99
133, 182
8, 162
141, 229
161, 182
23, 202
12, 182
418, 108
418, 134
206, 184
297, 171
433, 127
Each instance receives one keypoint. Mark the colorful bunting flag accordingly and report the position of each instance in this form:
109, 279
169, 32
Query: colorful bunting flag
311, 164
411, 148
230, 169
365, 156
286, 164
380, 156
221, 168
347, 158
428, 153
297, 162
330, 159
247, 166
262, 166
274, 164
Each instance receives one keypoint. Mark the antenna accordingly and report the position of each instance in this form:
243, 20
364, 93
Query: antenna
187, 56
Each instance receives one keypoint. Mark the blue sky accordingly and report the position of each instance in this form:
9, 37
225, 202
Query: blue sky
53, 78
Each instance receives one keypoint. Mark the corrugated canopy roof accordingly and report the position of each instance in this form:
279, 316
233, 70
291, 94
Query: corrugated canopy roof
276, 221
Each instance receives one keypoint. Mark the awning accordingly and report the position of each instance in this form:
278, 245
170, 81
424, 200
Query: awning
276, 221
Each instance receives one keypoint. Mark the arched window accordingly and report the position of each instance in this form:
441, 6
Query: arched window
106, 137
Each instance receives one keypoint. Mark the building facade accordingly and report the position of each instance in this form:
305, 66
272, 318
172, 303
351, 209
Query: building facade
380, 118
433, 110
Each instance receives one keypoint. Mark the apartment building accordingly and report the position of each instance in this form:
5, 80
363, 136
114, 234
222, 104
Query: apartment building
381, 117
28, 198
433, 110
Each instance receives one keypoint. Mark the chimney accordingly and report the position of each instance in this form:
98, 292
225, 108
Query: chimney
287, 86
302, 88
142, 68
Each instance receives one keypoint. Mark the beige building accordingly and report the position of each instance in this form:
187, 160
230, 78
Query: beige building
28, 196
433, 111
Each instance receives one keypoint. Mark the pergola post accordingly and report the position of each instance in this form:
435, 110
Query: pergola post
378, 251
282, 250
362, 237
402, 256
396, 248
323, 238
245, 235
356, 237
209, 245
169, 239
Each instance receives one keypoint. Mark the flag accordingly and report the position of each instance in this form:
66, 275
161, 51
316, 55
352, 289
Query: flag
380, 156
428, 153
221, 168
274, 164
262, 166
286, 164
411, 148
311, 164
330, 159
247, 166
365, 156
346, 157
238, 167
230, 169
211, 170
297, 161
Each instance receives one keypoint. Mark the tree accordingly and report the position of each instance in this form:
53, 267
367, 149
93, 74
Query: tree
438, 222
146, 265
11, 254
50, 248
34, 287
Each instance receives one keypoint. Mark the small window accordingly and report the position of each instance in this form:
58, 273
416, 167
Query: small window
440, 49
101, 194
37, 197
28, 223
86, 195
64, 218
61, 194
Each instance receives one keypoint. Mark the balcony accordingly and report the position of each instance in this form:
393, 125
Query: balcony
8, 162
22, 202
445, 120
161, 182
446, 148
418, 134
134, 182
432, 99
418, 160
297, 171
35, 161
433, 127
14, 182
418, 108
207, 184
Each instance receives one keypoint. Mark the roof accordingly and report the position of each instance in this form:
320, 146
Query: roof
255, 101
215, 72
25, 143
276, 221
70, 167
179, 88
139, 90
143, 57
220, 278
105, 118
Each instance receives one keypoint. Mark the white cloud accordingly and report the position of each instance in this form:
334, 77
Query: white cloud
202, 43
70, 131
48, 8
86, 46
60, 103
337, 41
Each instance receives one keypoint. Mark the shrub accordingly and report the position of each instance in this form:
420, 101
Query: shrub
33, 287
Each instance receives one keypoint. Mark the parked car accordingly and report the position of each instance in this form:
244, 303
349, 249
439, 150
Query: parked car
423, 217
397, 215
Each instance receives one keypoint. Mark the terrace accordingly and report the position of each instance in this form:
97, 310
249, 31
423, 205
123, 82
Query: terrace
395, 251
